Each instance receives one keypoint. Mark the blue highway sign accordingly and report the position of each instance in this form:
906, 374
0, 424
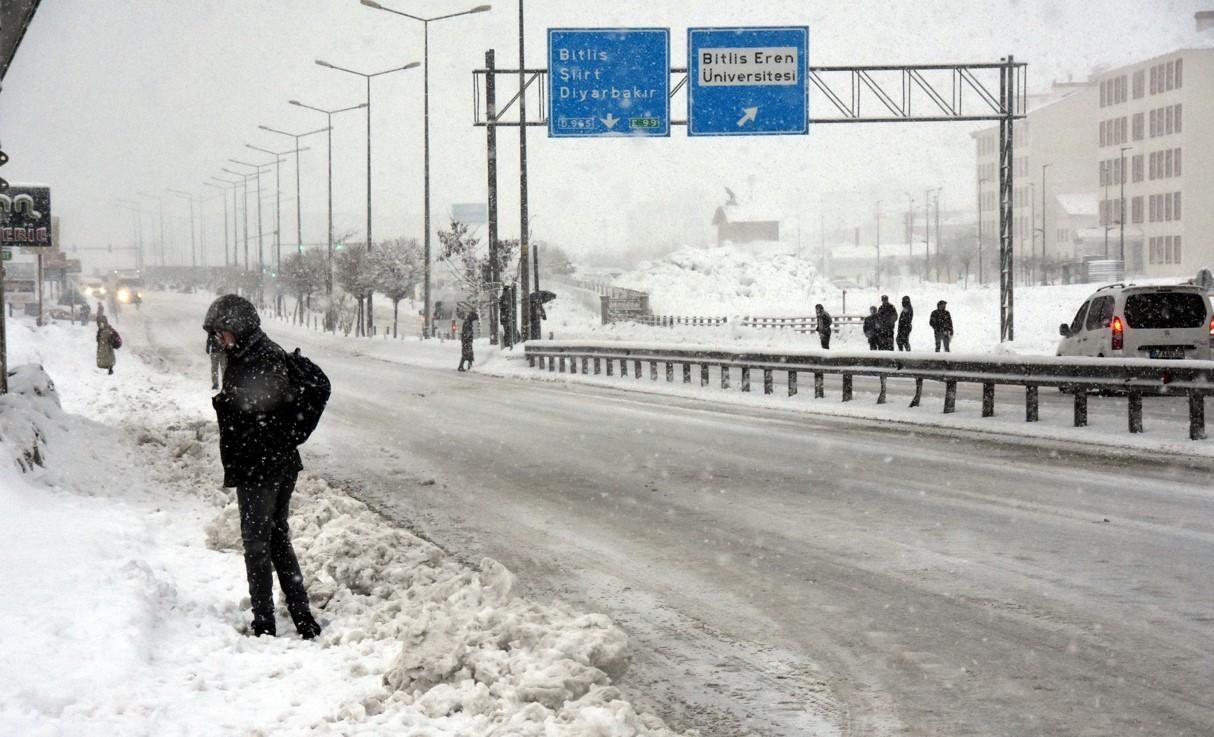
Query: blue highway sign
747, 81
608, 82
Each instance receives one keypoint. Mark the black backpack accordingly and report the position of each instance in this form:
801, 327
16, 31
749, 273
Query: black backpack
311, 390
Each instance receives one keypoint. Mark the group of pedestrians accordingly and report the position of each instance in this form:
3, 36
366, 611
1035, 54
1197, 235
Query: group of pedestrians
887, 329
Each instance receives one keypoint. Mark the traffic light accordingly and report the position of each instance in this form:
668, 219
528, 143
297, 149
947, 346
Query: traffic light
3, 161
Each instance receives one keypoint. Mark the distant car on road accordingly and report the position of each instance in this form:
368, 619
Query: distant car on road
1129, 321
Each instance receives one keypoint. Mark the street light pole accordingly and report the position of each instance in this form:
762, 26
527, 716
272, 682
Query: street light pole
367, 77
1041, 263
428, 318
329, 127
190, 197
278, 298
1121, 207
298, 202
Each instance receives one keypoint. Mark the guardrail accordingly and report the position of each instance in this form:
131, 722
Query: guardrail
672, 320
1077, 376
800, 324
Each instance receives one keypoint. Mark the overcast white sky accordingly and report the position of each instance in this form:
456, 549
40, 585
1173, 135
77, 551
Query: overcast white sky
109, 97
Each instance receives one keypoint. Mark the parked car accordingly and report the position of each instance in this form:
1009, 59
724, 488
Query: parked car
1141, 322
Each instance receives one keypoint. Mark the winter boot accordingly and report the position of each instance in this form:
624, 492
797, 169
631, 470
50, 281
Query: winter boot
307, 627
263, 626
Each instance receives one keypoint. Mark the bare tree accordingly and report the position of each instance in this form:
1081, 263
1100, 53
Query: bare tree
396, 266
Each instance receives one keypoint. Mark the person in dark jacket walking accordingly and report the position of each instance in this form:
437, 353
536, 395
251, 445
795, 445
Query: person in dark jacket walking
904, 324
107, 341
823, 325
870, 329
941, 323
85, 310
256, 414
887, 320
465, 339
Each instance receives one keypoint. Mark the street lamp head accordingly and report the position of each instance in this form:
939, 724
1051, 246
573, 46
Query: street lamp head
411, 65
322, 63
295, 102
481, 9
372, 4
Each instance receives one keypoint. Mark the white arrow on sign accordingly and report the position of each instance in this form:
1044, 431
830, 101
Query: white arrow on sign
748, 114
610, 120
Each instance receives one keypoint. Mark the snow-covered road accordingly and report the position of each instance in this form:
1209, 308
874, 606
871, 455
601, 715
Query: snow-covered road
787, 575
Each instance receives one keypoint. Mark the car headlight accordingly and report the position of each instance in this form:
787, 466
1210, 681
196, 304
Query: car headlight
124, 295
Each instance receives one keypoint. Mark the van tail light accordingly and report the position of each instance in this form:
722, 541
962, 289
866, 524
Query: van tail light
1212, 328
1119, 333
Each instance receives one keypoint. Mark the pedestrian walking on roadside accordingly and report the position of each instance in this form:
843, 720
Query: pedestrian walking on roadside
108, 340
270, 402
465, 340
887, 320
941, 323
904, 324
219, 360
823, 325
870, 329
85, 310
100, 312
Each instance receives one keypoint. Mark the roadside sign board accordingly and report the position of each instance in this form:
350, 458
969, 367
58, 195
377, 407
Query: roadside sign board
25, 217
747, 81
6, 255
608, 82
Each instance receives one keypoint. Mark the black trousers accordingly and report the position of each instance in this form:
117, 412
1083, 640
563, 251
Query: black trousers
267, 548
904, 341
825, 338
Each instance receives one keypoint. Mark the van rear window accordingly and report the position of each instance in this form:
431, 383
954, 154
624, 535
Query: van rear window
1160, 310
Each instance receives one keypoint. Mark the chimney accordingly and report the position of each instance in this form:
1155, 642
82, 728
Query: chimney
1205, 20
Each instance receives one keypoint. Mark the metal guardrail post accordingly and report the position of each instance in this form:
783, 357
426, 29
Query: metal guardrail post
819, 385
585, 365
562, 364
598, 366
623, 368
918, 393
530, 361
950, 397
792, 383
846, 387
1081, 408
767, 381
636, 368
552, 362
988, 399
1030, 403
1135, 412
653, 370
687, 373
1197, 416
724, 376
610, 363
881, 393
669, 371
745, 378
703, 374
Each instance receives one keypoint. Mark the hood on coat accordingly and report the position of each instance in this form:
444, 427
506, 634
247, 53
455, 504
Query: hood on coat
234, 314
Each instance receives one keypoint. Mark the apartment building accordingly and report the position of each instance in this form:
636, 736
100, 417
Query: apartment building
1146, 128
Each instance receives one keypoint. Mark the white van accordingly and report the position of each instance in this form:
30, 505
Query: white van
1141, 322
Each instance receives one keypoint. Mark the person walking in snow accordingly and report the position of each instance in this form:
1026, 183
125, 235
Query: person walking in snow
100, 312
85, 310
823, 325
904, 324
107, 341
941, 323
465, 340
887, 320
258, 410
870, 328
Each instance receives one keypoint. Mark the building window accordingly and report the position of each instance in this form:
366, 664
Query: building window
1169, 120
1177, 157
1167, 163
1154, 80
1136, 165
1170, 76
1136, 209
1176, 240
1138, 126
1153, 214
1154, 126
1167, 208
1179, 82
1175, 205
1104, 93
1178, 111
1140, 82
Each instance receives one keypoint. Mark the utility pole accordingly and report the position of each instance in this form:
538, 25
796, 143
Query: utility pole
495, 276
524, 240
1041, 263
1104, 172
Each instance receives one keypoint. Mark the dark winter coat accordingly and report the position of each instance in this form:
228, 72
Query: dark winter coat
904, 321
466, 334
887, 318
824, 323
254, 406
941, 321
870, 325
105, 344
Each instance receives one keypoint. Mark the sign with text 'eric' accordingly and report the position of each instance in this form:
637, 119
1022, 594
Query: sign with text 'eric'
608, 82
25, 217
747, 81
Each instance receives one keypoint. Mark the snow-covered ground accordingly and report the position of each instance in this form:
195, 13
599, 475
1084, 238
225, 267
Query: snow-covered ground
127, 599
735, 282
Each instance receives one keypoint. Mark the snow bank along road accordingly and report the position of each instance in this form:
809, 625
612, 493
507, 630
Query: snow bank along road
788, 575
